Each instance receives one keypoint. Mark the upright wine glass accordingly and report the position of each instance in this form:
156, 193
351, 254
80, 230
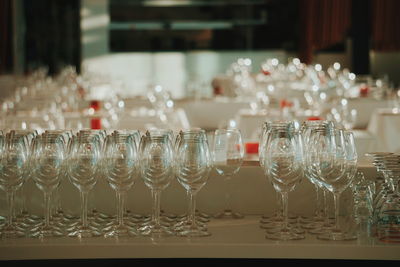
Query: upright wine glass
121, 170
46, 164
228, 154
283, 166
83, 170
193, 166
333, 158
320, 221
129, 216
13, 161
157, 170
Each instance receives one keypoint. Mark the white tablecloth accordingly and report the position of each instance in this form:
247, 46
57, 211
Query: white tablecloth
386, 126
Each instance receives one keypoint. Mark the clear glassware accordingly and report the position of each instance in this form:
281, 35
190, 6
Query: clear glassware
23, 217
333, 158
320, 221
228, 155
193, 166
13, 163
275, 220
388, 214
283, 166
129, 216
83, 171
121, 170
46, 164
157, 171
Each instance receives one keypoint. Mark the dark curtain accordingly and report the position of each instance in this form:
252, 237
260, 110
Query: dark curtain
386, 25
53, 36
323, 23
6, 42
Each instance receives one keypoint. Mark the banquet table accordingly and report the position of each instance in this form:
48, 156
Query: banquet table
385, 125
230, 238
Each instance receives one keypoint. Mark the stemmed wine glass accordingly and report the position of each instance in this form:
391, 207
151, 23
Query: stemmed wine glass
46, 164
13, 171
228, 154
121, 170
333, 158
320, 221
129, 216
157, 170
83, 170
283, 166
193, 166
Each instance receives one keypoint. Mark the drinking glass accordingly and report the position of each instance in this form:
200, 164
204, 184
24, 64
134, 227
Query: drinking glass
320, 221
193, 166
275, 220
83, 170
121, 170
13, 171
388, 228
333, 158
129, 216
283, 166
46, 165
228, 154
157, 170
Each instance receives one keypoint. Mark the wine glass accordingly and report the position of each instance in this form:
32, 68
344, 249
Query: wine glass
13, 171
83, 170
129, 216
283, 166
333, 158
228, 154
320, 221
193, 166
275, 220
157, 170
46, 164
121, 170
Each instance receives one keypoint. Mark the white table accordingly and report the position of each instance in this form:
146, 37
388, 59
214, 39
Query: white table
252, 194
385, 124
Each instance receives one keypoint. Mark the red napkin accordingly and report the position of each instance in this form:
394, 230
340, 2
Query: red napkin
314, 118
95, 123
364, 90
251, 148
95, 104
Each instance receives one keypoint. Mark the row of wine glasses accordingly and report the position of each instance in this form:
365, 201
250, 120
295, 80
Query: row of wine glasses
120, 158
324, 154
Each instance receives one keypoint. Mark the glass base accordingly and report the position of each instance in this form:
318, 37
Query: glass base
324, 228
193, 231
156, 230
12, 231
285, 235
337, 235
228, 214
120, 231
84, 232
277, 225
46, 231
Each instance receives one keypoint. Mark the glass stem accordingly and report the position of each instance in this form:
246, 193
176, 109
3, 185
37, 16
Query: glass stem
285, 210
10, 202
336, 197
84, 200
47, 203
318, 208
192, 208
156, 205
120, 208
325, 207
228, 179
